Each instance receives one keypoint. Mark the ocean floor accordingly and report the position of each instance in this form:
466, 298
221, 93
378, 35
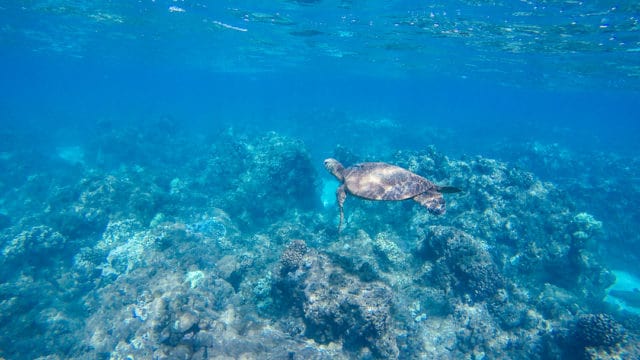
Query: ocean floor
625, 292
154, 243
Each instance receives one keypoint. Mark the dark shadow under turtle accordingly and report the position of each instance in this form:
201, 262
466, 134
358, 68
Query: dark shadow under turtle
382, 181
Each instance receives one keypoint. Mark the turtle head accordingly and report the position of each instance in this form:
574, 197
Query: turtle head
335, 168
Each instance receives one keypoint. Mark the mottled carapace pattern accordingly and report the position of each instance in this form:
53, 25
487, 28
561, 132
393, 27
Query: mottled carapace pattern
381, 181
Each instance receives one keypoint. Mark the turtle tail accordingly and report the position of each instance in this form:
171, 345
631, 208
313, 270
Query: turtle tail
448, 189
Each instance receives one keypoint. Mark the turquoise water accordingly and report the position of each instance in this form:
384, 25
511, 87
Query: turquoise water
625, 282
163, 193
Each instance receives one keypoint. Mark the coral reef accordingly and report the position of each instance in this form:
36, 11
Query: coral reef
598, 330
196, 253
335, 305
191, 306
33, 245
461, 263
603, 183
273, 172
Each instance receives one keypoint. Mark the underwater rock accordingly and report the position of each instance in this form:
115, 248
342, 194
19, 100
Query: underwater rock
215, 227
230, 156
37, 316
98, 199
500, 276
164, 316
159, 311
271, 172
101, 195
280, 177
126, 246
461, 262
105, 197
357, 255
145, 200
585, 226
34, 246
233, 268
208, 227
510, 313
346, 155
475, 329
386, 247
430, 162
86, 265
604, 183
293, 255
335, 305
527, 221
598, 330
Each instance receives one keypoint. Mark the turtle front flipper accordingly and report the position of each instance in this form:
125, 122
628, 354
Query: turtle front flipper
341, 195
433, 201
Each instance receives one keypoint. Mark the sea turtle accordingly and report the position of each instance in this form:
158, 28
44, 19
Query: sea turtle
382, 181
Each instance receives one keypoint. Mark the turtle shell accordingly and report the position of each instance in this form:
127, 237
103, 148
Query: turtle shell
382, 181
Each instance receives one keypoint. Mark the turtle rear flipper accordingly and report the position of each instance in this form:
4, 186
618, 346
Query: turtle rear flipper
433, 201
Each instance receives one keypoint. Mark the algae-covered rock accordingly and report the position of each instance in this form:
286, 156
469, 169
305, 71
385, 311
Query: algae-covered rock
598, 330
585, 226
462, 262
260, 180
279, 178
335, 305
385, 245
129, 255
293, 255
34, 245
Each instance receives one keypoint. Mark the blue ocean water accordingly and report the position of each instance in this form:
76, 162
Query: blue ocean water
133, 133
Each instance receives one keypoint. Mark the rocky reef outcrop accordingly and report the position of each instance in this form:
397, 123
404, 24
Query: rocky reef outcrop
334, 305
197, 253
461, 263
